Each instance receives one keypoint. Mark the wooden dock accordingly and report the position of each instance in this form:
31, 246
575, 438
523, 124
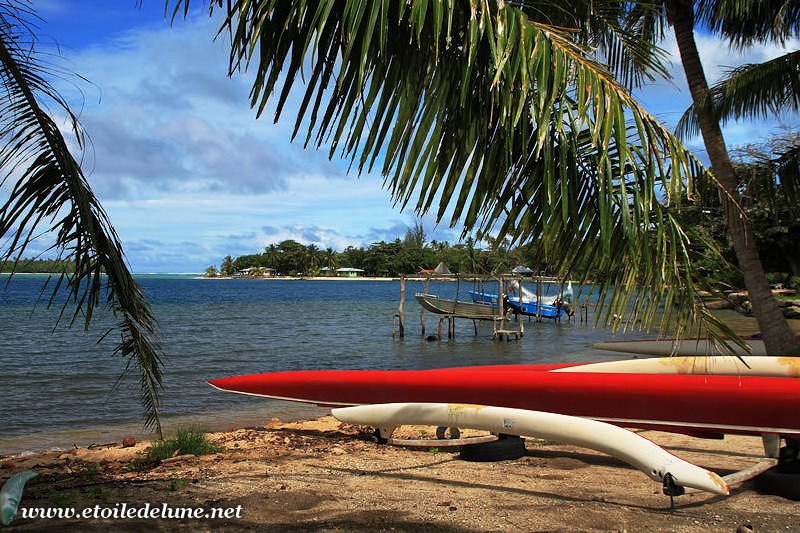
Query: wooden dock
448, 310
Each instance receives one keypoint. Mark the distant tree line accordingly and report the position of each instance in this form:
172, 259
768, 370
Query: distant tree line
37, 266
403, 256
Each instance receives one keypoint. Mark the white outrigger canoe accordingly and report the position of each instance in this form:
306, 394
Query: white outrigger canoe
656, 462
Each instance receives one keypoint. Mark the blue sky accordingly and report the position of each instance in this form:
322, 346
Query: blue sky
188, 175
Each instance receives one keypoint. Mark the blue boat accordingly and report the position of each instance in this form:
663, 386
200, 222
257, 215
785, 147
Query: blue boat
529, 306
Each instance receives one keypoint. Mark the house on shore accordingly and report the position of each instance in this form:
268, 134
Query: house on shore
349, 272
256, 272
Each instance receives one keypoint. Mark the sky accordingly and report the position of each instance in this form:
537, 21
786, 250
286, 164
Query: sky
188, 174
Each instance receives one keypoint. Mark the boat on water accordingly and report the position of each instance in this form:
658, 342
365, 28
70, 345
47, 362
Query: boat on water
524, 302
524, 306
457, 308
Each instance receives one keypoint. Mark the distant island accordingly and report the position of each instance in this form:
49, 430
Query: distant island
407, 256
413, 255
37, 266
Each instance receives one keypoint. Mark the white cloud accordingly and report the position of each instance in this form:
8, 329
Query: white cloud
186, 172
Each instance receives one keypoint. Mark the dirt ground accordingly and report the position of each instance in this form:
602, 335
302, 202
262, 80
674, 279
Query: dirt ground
320, 475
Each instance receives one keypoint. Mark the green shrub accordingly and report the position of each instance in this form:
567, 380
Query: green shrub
774, 278
191, 440
794, 282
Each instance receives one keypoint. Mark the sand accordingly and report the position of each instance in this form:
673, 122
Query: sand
320, 475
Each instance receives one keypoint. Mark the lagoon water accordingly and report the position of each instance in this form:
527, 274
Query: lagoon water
57, 387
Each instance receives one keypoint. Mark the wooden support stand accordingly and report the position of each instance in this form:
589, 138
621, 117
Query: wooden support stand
500, 329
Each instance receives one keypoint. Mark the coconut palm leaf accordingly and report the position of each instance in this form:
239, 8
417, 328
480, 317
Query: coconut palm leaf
756, 90
488, 118
623, 35
50, 195
744, 22
787, 168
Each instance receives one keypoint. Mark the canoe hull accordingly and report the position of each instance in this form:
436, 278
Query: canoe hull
692, 404
634, 449
681, 347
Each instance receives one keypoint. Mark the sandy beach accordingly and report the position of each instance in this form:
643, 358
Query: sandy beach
321, 475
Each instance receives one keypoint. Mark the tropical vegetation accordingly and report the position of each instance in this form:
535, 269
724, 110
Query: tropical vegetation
774, 218
38, 266
388, 259
190, 440
774, 225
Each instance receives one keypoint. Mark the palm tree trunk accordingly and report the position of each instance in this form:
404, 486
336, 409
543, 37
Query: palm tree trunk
778, 337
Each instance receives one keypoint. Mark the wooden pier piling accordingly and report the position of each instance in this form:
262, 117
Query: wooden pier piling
422, 309
400, 314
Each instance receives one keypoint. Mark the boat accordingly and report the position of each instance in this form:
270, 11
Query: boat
457, 308
524, 302
697, 404
681, 347
653, 460
527, 307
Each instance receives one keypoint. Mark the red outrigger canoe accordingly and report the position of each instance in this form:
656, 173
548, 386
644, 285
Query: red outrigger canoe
706, 405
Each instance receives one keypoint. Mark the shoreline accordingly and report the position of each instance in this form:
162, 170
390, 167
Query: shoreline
210, 421
336, 278
322, 475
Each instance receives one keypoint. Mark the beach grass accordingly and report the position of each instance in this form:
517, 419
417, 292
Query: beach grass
187, 441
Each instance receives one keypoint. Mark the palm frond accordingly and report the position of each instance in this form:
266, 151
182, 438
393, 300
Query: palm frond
787, 168
621, 34
759, 90
492, 120
50, 194
744, 22
626, 36
773, 168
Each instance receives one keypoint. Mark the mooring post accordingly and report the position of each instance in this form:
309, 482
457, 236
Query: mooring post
501, 306
400, 309
583, 312
520, 319
539, 298
422, 309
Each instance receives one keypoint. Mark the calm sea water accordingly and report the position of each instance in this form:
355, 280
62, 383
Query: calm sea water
57, 387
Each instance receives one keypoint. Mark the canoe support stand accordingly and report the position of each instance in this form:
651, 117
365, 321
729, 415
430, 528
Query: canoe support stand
383, 436
441, 443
